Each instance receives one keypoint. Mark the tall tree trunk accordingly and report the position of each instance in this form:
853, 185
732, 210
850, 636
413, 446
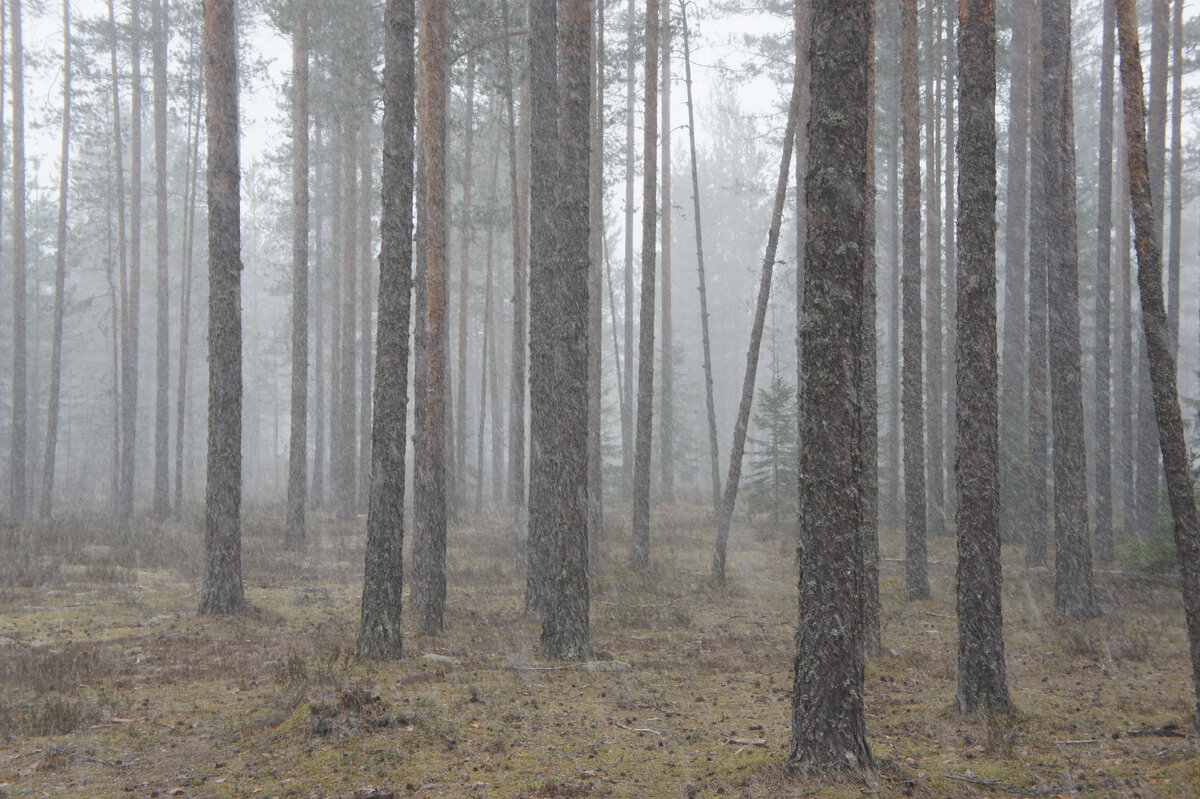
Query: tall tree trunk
222, 590
558, 357
298, 443
1155, 325
596, 231
1103, 445
710, 406
460, 404
1074, 596
543, 299
934, 397
1039, 503
1013, 420
429, 551
162, 399
60, 277
738, 446
869, 391
627, 421
366, 154
1175, 210
916, 570
319, 301
891, 63
828, 724
1123, 412
185, 294
948, 230
666, 426
380, 633
20, 433
982, 685
486, 367
347, 440
129, 343
640, 554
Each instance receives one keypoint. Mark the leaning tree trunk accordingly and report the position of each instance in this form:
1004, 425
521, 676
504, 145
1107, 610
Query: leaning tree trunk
60, 278
222, 590
162, 399
828, 724
19, 391
380, 633
297, 500
1156, 327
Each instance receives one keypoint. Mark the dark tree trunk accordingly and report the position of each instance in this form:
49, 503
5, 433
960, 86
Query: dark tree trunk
640, 554
934, 386
20, 432
1156, 328
60, 279
222, 590
713, 448
380, 633
666, 425
298, 443
982, 686
429, 550
543, 301
559, 357
1103, 445
1074, 595
828, 724
162, 398
916, 570
890, 25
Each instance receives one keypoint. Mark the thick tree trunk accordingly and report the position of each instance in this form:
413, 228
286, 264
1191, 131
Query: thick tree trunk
20, 432
429, 551
380, 633
982, 686
713, 449
916, 570
1074, 596
666, 425
222, 590
558, 362
1155, 325
162, 399
1103, 402
640, 553
828, 724
294, 528
60, 279
934, 384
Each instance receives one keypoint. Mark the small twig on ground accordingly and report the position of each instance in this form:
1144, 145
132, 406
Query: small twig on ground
637, 729
993, 784
746, 741
1075, 743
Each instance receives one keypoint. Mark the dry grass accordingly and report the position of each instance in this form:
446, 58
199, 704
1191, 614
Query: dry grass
111, 686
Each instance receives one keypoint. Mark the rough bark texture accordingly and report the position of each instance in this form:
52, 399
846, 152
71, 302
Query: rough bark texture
982, 687
645, 385
1103, 423
888, 32
297, 499
380, 633
543, 296
1157, 332
162, 397
17, 488
1013, 419
222, 589
916, 570
429, 550
934, 384
1074, 595
666, 425
828, 724
558, 361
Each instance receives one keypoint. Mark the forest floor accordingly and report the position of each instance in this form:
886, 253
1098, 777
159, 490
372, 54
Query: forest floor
110, 685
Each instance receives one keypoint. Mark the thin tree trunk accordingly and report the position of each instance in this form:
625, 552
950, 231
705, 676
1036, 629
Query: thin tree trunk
982, 685
367, 290
185, 298
489, 344
336, 247
222, 590
666, 426
298, 442
1103, 445
347, 439
162, 403
1176, 207
380, 632
951, 268
17, 495
894, 356
1155, 325
1124, 344
627, 421
596, 225
129, 346
460, 404
320, 299
869, 392
934, 397
60, 277
710, 406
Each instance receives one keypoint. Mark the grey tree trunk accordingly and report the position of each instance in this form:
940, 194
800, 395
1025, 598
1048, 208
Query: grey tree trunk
222, 589
520, 255
558, 362
916, 570
1175, 210
666, 425
1074, 596
185, 294
60, 278
320, 299
20, 434
1103, 402
366, 154
934, 384
640, 553
889, 24
868, 394
982, 685
380, 634
132, 316
487, 369
297, 500
346, 442
1123, 412
627, 421
162, 398
1155, 325
828, 724
460, 404
949, 248
596, 225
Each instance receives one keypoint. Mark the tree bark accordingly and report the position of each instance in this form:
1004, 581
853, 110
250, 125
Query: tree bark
319, 301
366, 154
20, 432
222, 589
596, 232
869, 392
380, 634
132, 316
1103, 445
185, 294
347, 440
949, 248
460, 404
1155, 325
1175, 210
627, 421
828, 724
934, 385
1123, 411
297, 501
162, 399
666, 426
